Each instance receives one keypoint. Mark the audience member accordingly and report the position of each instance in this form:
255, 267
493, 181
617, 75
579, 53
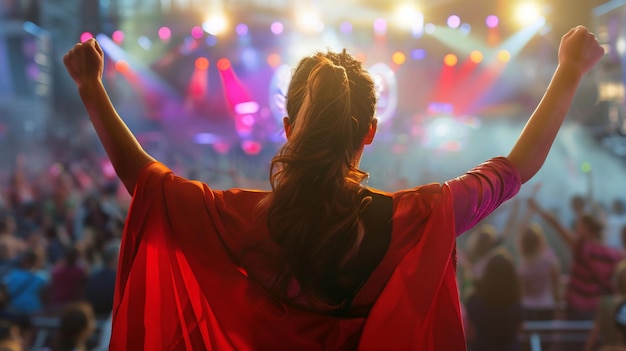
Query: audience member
540, 275
592, 263
605, 331
77, 326
25, 287
101, 283
68, 280
494, 310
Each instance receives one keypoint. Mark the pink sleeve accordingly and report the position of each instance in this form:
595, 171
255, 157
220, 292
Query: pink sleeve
481, 190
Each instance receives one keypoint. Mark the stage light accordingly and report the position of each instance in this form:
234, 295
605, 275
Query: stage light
476, 56
408, 16
215, 25
197, 32
380, 26
85, 36
241, 29
450, 60
528, 13
465, 28
429, 28
223, 64
211, 40
251, 147
202, 63
247, 108
386, 85
273, 60
398, 58
492, 21
620, 46
418, 54
118, 36
165, 33
122, 66
454, 21
144, 42
278, 91
277, 28
309, 21
504, 56
345, 27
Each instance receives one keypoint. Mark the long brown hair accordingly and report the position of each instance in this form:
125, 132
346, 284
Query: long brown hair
500, 284
314, 208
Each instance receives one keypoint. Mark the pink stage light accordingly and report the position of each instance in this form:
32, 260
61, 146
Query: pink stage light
118, 36
85, 36
197, 32
165, 33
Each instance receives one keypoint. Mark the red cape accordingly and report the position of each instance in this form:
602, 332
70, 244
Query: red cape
177, 288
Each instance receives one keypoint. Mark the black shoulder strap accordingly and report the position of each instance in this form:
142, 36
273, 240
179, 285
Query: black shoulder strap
377, 221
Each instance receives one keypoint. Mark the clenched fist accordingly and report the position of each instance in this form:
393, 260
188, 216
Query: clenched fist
85, 62
580, 49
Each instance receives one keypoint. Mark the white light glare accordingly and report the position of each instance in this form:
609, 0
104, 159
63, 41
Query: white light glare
310, 21
408, 16
215, 25
528, 13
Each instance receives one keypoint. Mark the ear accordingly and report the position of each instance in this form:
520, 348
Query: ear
369, 137
287, 126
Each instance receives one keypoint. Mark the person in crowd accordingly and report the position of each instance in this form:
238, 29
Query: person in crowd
494, 310
101, 283
25, 287
592, 262
615, 221
320, 261
78, 323
605, 332
12, 245
68, 280
540, 275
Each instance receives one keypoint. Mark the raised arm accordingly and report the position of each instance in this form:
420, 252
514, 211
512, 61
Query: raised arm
551, 219
85, 64
579, 51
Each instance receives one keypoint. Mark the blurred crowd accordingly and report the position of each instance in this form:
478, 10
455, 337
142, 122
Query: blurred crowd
60, 232
539, 267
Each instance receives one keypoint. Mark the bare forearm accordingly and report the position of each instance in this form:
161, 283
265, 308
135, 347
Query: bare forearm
533, 145
123, 149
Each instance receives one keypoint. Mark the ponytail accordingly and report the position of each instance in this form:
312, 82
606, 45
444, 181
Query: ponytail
313, 213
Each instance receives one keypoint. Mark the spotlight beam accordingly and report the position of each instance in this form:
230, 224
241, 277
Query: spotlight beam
147, 77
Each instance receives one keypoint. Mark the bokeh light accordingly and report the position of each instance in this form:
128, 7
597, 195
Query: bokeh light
202, 63
380, 26
454, 21
450, 60
241, 29
197, 32
215, 25
418, 54
277, 28
165, 33
118, 36
223, 64
345, 27
122, 66
476, 56
492, 21
85, 36
504, 56
273, 60
398, 58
